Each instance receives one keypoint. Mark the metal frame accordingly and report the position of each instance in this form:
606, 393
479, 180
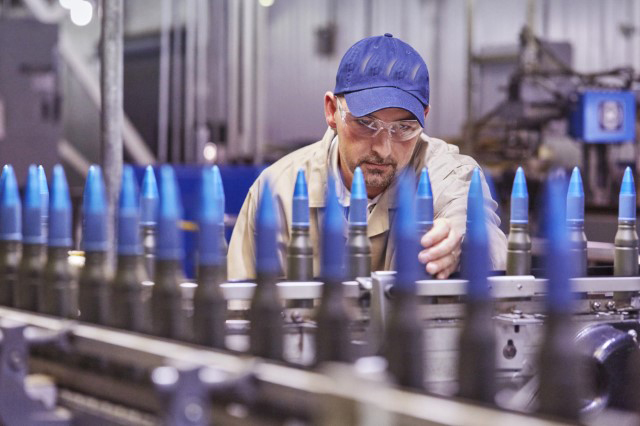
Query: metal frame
289, 290
337, 392
502, 287
343, 392
112, 111
527, 286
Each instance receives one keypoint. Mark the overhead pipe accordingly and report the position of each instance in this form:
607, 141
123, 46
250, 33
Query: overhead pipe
469, 128
234, 92
111, 116
201, 80
133, 142
73, 158
164, 87
191, 22
45, 12
248, 77
176, 86
260, 73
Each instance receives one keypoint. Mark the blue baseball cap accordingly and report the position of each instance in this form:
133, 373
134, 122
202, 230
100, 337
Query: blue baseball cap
383, 72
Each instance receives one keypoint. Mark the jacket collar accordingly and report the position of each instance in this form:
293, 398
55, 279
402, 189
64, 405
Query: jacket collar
319, 171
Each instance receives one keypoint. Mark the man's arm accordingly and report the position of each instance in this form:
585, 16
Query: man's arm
241, 255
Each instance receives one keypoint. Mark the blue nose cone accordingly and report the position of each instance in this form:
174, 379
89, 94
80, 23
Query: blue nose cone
475, 253
59, 210
44, 194
358, 207
333, 243
627, 204
558, 249
149, 198
3, 176
218, 191
32, 209
10, 207
406, 234
128, 214
519, 199
300, 213
218, 196
94, 212
210, 219
424, 200
575, 198
267, 261
169, 236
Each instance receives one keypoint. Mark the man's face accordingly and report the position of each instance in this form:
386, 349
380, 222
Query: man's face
380, 157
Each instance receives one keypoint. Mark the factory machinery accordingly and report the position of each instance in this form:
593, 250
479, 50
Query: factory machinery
552, 113
82, 345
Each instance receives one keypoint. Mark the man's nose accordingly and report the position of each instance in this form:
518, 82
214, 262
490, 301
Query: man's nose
381, 143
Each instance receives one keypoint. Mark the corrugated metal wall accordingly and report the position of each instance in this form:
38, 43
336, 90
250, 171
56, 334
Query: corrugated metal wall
294, 76
594, 29
298, 76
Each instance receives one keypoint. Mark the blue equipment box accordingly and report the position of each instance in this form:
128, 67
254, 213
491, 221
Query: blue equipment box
604, 117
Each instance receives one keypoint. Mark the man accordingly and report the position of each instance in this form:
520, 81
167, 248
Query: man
375, 115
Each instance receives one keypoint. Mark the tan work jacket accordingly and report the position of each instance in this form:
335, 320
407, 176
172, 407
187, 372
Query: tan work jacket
450, 174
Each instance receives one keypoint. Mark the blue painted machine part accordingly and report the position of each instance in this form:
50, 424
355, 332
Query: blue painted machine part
604, 117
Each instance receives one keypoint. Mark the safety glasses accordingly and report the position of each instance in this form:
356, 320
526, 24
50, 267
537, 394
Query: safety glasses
370, 127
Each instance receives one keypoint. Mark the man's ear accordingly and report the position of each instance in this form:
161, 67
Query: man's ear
426, 111
330, 109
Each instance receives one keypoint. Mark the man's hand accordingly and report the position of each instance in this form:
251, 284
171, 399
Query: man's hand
441, 252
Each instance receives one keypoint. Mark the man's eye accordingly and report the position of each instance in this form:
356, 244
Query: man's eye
367, 122
401, 128
408, 127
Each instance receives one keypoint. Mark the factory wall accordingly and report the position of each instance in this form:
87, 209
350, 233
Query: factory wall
297, 74
596, 29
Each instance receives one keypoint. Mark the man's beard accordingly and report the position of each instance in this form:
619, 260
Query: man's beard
378, 178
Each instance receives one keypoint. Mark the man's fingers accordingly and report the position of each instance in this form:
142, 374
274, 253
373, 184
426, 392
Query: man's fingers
449, 261
448, 245
444, 247
440, 230
445, 274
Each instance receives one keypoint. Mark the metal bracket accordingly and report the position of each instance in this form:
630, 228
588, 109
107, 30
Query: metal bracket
381, 282
187, 389
17, 407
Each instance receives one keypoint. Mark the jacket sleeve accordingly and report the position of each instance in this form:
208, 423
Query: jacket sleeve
451, 187
241, 255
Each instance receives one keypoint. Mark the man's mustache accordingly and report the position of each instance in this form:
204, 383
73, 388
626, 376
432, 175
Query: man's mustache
376, 159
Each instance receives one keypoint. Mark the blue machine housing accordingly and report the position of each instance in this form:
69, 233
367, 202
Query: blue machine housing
604, 117
236, 181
